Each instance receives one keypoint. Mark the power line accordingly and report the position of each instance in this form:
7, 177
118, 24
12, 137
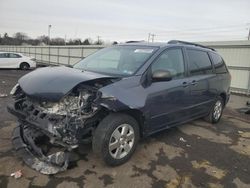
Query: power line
228, 28
206, 28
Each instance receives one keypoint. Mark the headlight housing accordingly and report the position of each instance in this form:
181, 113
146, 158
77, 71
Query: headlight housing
14, 89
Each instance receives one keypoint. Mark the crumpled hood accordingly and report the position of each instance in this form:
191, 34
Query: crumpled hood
52, 83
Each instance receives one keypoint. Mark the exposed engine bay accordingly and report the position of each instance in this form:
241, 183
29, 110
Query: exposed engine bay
64, 124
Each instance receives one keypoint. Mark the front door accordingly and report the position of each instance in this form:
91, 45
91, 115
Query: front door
167, 100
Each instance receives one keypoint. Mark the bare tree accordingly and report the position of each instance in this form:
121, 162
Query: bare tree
19, 38
86, 42
57, 41
43, 39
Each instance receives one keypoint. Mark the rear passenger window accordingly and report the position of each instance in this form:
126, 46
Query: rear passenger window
219, 64
199, 62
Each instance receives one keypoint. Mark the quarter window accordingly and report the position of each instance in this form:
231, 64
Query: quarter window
14, 55
199, 62
172, 61
219, 64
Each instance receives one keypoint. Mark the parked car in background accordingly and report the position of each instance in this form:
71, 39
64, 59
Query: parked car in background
16, 60
114, 97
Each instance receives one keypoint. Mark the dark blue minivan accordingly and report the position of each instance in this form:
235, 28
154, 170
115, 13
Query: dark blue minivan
114, 97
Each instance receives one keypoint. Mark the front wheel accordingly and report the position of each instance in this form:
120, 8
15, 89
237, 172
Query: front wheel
115, 138
216, 111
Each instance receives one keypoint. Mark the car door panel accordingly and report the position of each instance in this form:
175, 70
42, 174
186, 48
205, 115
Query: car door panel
201, 79
168, 103
202, 93
4, 60
14, 60
167, 100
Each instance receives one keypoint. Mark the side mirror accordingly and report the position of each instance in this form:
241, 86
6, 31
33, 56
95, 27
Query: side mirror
161, 75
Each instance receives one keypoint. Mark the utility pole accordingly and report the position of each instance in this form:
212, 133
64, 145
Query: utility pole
153, 36
149, 35
248, 38
49, 27
98, 39
65, 37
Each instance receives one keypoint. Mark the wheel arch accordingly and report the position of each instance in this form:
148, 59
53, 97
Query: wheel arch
135, 113
224, 97
138, 116
23, 62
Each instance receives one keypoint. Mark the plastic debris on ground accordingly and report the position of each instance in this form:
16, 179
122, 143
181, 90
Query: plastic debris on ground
2, 95
182, 139
17, 174
240, 132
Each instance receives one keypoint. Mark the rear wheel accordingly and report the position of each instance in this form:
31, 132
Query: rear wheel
216, 111
24, 66
115, 138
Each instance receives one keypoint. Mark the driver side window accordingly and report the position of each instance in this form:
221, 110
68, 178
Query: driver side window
172, 61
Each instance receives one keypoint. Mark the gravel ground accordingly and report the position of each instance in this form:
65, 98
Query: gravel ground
208, 155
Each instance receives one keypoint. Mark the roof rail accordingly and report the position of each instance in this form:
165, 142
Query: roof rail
188, 43
134, 41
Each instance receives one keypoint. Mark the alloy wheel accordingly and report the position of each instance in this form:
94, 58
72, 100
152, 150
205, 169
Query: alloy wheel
217, 110
121, 141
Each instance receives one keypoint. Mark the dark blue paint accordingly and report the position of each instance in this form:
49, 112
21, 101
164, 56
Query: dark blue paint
161, 104
52, 83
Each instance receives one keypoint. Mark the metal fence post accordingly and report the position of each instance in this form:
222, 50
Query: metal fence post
68, 55
35, 52
41, 54
49, 55
82, 52
58, 55
248, 89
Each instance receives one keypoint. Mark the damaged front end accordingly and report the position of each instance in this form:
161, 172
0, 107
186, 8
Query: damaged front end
63, 124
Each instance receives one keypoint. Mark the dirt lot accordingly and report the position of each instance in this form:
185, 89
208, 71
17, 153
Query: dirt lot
208, 155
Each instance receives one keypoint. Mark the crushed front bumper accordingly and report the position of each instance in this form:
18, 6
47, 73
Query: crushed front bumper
23, 140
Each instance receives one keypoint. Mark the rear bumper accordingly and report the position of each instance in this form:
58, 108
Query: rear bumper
32, 155
32, 64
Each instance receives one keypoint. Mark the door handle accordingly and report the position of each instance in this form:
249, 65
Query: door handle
194, 82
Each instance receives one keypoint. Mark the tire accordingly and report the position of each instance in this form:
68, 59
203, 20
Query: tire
116, 149
24, 66
216, 111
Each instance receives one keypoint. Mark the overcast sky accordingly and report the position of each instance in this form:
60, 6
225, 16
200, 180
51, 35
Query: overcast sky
193, 20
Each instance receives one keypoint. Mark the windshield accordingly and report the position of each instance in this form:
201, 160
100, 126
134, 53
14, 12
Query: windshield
118, 60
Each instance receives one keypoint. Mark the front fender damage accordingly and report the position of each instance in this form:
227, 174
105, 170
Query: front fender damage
48, 131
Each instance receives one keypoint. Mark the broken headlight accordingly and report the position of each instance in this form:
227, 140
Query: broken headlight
14, 89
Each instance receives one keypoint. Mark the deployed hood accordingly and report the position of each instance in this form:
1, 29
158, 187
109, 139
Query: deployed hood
52, 83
